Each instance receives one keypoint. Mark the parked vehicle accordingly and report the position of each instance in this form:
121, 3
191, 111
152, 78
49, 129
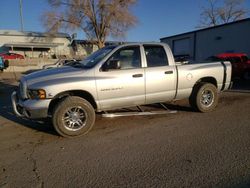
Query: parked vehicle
240, 64
59, 63
116, 77
3, 64
8, 55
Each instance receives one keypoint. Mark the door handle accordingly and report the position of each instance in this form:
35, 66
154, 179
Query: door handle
169, 72
137, 75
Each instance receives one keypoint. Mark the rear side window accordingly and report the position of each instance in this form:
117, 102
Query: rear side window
155, 55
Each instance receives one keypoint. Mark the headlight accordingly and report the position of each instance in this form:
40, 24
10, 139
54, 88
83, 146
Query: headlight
37, 94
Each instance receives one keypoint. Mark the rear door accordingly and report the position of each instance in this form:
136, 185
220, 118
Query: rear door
161, 79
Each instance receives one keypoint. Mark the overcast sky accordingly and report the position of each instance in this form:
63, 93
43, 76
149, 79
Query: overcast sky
157, 18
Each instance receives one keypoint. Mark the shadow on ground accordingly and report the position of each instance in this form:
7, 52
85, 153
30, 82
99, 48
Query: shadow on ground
241, 85
6, 88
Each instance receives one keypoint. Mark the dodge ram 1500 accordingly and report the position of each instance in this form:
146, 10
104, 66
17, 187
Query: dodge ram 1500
117, 77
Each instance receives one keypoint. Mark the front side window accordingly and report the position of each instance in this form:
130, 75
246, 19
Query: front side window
125, 58
156, 56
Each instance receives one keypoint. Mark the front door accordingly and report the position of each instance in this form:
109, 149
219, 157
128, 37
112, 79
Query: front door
121, 80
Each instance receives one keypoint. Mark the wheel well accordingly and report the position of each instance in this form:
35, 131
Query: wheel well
210, 80
59, 97
196, 86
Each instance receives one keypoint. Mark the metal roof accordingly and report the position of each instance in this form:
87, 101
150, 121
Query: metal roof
208, 28
33, 45
32, 34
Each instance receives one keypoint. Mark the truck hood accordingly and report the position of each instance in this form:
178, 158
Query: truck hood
54, 74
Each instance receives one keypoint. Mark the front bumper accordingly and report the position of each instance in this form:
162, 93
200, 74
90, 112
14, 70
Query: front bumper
32, 109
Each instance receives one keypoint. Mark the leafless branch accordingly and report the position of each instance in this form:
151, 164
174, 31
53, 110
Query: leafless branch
97, 18
220, 12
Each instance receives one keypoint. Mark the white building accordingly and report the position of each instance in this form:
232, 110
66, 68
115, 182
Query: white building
200, 44
35, 44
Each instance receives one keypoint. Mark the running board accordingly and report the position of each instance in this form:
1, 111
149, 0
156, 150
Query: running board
139, 113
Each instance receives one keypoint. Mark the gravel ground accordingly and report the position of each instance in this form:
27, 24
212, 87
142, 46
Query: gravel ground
186, 149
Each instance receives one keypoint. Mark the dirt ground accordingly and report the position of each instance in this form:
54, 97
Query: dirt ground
186, 149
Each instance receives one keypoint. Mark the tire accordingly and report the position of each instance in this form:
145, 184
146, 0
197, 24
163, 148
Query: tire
204, 97
74, 116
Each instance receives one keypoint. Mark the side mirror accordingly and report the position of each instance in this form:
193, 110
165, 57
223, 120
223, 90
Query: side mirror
113, 64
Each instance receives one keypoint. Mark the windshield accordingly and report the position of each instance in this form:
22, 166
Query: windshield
94, 58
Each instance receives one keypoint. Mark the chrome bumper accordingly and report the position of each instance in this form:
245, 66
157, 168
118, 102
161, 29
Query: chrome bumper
32, 109
14, 104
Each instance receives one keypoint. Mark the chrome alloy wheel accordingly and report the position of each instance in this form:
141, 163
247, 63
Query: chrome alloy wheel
207, 98
74, 118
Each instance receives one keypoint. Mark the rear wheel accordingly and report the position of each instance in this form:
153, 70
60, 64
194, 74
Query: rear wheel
204, 97
73, 116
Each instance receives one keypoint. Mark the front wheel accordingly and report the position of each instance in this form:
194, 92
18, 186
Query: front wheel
73, 116
204, 97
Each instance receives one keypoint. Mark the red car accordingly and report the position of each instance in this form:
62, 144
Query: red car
240, 64
9, 55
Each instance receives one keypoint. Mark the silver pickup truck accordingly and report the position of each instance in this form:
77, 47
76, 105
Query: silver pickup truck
116, 77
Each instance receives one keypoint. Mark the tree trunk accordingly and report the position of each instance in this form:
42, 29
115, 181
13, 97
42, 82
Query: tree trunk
100, 44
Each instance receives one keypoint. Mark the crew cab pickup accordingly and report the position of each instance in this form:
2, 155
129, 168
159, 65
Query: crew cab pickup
116, 77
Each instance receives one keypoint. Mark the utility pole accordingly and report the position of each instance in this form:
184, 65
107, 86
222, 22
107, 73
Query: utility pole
21, 13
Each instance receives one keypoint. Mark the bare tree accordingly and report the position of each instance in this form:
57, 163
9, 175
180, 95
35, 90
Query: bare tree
98, 19
220, 12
